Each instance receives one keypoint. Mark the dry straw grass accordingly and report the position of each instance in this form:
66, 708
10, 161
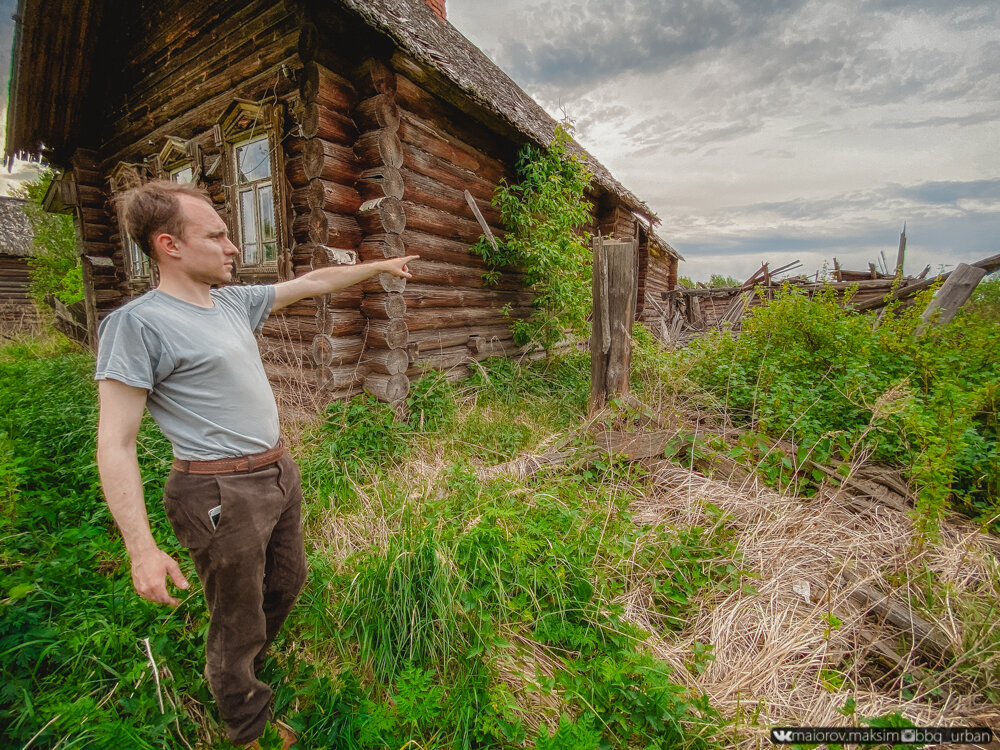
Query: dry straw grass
774, 646
780, 656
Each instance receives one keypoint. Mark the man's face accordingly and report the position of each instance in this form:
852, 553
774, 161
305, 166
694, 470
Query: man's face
207, 255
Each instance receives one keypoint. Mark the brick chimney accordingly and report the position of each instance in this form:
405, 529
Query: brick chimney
438, 7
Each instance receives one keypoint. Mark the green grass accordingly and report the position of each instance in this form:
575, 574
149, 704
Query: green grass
445, 610
405, 635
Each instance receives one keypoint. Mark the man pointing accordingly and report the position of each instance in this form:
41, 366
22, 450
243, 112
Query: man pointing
187, 352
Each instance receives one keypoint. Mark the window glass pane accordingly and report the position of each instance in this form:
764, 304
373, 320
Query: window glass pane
248, 217
139, 261
251, 255
184, 174
266, 204
270, 253
253, 162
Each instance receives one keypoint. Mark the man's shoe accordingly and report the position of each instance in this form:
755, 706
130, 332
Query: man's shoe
288, 737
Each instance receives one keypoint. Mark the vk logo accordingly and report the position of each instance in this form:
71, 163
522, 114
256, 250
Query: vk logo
781, 735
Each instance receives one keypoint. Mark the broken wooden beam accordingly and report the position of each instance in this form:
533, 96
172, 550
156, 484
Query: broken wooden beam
951, 296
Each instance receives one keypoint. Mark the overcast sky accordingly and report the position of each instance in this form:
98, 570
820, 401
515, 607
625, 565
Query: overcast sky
776, 130
19, 171
771, 130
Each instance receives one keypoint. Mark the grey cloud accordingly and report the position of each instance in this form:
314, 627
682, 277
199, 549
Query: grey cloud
765, 53
953, 239
976, 118
596, 40
950, 193
924, 200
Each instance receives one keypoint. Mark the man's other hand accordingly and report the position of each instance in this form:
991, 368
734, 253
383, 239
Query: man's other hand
149, 576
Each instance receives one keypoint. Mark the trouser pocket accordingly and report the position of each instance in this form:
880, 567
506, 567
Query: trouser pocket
188, 500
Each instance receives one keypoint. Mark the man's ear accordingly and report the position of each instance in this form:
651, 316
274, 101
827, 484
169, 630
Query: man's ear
165, 245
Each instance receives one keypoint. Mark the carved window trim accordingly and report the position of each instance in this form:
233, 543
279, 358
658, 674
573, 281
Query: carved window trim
140, 270
179, 160
242, 123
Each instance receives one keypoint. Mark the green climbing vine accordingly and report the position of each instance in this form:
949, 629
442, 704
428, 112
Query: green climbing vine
544, 214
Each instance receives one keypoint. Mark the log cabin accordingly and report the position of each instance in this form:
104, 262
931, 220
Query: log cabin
17, 310
323, 132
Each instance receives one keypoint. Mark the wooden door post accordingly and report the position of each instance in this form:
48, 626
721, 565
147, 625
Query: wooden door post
615, 285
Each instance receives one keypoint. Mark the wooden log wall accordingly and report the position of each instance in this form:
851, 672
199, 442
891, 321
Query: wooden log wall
322, 171
452, 317
383, 218
177, 79
102, 260
17, 310
661, 276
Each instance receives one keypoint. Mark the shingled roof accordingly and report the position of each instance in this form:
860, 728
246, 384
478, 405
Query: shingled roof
441, 47
15, 229
433, 43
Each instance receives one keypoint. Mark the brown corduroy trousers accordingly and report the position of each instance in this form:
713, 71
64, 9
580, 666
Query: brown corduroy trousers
252, 567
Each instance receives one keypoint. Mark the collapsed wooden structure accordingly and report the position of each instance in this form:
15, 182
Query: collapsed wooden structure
686, 312
324, 133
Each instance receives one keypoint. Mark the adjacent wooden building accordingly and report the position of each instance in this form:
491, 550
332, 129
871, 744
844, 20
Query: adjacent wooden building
17, 310
324, 132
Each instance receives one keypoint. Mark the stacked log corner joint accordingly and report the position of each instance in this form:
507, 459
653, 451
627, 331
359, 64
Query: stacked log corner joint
323, 170
382, 219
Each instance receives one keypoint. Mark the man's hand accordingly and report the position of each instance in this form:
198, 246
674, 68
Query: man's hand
121, 414
397, 266
149, 576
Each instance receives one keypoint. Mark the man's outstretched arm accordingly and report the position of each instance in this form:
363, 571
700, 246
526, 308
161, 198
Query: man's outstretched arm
121, 413
326, 280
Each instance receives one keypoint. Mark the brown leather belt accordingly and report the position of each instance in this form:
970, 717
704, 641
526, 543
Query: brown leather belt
231, 465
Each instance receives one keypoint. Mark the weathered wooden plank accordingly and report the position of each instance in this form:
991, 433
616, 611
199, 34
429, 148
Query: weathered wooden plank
423, 218
418, 188
419, 296
951, 296
614, 290
439, 338
441, 171
451, 317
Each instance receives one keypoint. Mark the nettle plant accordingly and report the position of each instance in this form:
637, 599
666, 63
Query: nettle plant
543, 215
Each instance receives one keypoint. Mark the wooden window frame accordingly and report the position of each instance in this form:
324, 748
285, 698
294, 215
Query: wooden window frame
176, 156
242, 123
140, 270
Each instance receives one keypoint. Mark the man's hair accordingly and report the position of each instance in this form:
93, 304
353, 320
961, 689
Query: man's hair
155, 207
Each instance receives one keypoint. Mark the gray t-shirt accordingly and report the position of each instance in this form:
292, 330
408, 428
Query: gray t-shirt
207, 388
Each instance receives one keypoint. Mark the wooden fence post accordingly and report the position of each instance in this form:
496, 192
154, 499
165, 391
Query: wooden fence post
615, 286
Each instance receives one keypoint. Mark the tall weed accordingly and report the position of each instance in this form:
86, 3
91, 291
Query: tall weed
809, 371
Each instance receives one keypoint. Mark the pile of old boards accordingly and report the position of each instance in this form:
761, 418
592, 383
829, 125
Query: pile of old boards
685, 313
